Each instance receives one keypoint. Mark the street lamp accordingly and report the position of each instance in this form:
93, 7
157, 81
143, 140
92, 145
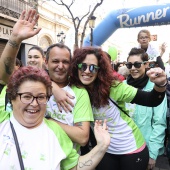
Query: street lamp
91, 25
61, 37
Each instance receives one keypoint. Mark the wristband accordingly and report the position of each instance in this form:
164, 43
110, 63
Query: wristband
161, 86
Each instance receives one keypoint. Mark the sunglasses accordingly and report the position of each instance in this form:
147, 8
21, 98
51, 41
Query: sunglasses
135, 64
92, 68
152, 65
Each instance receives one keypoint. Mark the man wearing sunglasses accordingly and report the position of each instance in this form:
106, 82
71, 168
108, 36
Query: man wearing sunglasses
150, 120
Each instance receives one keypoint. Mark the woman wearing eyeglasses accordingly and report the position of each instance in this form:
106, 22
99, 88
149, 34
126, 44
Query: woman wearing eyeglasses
127, 150
150, 120
144, 38
30, 141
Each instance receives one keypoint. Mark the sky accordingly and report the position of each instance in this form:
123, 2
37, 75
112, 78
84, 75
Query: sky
127, 37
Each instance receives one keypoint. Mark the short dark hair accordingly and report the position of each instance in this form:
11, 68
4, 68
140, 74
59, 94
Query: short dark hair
138, 51
18, 62
38, 49
59, 45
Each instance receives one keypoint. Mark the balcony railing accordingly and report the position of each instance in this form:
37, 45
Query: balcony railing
13, 8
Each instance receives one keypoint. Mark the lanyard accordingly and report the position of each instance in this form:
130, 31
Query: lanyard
17, 146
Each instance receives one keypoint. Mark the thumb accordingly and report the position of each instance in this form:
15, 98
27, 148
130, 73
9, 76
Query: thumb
36, 31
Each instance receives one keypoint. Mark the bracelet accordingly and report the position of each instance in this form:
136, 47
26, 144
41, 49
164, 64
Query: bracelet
161, 86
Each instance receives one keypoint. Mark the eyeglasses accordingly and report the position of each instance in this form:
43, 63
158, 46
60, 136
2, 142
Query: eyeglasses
143, 37
135, 64
27, 98
92, 68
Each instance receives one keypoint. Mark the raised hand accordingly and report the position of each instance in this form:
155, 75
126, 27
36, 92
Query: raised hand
101, 134
163, 48
25, 26
157, 76
62, 98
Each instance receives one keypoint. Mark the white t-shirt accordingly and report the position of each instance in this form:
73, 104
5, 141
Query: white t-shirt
152, 52
125, 135
45, 147
167, 70
81, 112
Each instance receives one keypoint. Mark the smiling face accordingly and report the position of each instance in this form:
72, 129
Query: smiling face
86, 77
35, 59
29, 115
137, 73
58, 65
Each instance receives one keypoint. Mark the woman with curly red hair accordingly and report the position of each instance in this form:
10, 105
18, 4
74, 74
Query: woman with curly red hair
127, 150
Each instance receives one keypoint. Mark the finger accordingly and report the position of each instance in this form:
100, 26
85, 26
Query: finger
27, 14
59, 107
31, 16
22, 16
104, 124
67, 106
63, 105
36, 31
70, 103
35, 18
70, 96
97, 123
100, 123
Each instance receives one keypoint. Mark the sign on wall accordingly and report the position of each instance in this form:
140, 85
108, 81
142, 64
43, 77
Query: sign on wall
5, 32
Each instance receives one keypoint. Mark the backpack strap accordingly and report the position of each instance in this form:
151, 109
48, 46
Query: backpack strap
118, 107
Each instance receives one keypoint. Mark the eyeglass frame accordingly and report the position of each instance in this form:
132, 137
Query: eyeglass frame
146, 37
95, 68
20, 94
136, 62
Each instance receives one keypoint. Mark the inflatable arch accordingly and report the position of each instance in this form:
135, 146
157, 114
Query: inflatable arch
127, 18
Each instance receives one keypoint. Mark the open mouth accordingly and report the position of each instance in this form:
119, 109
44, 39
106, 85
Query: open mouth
30, 111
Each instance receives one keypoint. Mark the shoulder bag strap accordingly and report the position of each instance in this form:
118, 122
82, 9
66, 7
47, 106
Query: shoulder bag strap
17, 146
118, 106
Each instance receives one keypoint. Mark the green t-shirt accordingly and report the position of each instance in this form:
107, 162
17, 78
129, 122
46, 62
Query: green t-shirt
81, 112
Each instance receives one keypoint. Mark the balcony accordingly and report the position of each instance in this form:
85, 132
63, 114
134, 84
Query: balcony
13, 8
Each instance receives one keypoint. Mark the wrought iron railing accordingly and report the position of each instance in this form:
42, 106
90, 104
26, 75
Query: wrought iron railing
13, 8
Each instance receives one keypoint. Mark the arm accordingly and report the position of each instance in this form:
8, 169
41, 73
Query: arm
23, 29
160, 62
79, 133
62, 98
156, 96
82, 115
150, 99
156, 140
92, 159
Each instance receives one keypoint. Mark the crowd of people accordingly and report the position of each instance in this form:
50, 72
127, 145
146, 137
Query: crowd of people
61, 99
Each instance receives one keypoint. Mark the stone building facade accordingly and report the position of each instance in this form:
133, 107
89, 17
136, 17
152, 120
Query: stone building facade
51, 21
